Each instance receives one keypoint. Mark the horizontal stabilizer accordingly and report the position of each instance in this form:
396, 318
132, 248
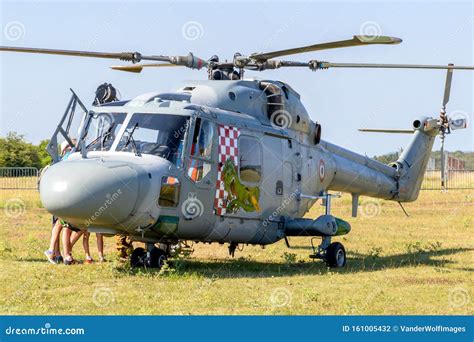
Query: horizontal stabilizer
382, 130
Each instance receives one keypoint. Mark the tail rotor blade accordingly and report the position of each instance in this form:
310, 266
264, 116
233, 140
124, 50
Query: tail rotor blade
447, 87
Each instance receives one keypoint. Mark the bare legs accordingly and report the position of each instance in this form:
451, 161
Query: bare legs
54, 242
67, 247
100, 246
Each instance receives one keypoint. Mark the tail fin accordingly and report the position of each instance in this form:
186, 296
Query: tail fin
412, 163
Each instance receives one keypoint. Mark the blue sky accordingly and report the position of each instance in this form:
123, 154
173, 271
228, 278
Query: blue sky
35, 89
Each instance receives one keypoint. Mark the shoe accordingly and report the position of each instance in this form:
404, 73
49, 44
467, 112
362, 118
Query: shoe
50, 255
102, 259
58, 259
88, 261
69, 262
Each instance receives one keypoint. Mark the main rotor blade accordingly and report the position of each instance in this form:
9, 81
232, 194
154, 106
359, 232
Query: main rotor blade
325, 65
447, 87
189, 61
137, 68
125, 56
386, 130
355, 41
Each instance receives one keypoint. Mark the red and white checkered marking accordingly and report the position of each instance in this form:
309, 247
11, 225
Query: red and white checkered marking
228, 137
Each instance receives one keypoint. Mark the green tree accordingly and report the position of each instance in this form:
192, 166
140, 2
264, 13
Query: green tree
44, 157
387, 158
15, 151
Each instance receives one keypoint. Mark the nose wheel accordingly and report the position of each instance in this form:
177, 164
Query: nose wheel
153, 258
334, 254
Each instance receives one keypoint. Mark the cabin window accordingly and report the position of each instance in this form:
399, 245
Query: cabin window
250, 159
201, 150
169, 192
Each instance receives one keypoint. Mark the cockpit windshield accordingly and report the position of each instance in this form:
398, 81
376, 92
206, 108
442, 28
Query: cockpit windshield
101, 130
157, 134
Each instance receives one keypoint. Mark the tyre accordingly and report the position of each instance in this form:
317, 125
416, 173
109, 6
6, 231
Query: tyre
157, 258
137, 258
336, 255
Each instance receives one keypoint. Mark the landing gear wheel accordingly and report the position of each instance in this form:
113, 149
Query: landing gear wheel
137, 259
336, 255
157, 258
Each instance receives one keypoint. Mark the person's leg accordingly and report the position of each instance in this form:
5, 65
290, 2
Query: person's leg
67, 248
54, 242
58, 258
75, 237
85, 244
55, 232
57, 250
100, 246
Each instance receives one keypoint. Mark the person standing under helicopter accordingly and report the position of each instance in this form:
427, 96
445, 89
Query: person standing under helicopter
53, 254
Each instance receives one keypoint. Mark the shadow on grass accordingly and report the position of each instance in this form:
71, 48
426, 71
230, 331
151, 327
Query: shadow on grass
356, 263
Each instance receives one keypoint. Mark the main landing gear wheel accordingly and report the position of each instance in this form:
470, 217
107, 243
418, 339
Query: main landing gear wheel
137, 259
157, 258
336, 255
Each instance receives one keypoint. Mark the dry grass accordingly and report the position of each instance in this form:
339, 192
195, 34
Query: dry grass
418, 265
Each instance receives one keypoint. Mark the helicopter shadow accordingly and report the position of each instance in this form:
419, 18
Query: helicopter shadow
356, 263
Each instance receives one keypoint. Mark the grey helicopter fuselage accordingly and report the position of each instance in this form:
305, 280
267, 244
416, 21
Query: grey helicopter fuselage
235, 161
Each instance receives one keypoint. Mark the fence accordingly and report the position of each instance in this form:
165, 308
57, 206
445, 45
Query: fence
455, 179
18, 178
27, 178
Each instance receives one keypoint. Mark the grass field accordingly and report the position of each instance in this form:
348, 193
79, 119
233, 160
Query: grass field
397, 265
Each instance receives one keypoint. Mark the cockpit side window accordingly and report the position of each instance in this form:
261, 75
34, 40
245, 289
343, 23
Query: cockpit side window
201, 149
101, 130
156, 134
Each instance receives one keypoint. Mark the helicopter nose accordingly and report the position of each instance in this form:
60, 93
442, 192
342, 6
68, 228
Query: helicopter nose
89, 192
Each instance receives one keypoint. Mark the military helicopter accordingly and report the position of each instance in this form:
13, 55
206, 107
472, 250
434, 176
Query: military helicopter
227, 160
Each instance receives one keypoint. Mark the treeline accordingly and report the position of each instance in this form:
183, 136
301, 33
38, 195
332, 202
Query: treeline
15, 151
